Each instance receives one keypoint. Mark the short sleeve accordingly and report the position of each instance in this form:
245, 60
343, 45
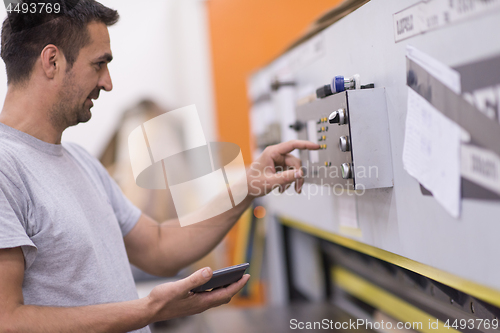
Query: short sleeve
14, 220
126, 213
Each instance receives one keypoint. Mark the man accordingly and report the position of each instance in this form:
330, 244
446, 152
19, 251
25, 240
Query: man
66, 230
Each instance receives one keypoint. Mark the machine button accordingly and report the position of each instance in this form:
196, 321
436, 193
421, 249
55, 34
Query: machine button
344, 143
297, 126
346, 170
338, 117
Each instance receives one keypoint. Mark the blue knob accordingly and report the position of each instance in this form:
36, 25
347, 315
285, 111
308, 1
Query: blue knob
338, 84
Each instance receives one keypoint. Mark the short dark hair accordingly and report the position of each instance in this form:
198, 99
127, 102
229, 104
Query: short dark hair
24, 36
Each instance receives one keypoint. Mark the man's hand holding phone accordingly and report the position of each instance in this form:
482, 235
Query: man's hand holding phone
175, 299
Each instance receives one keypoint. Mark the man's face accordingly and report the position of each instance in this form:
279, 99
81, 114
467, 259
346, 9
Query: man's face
84, 81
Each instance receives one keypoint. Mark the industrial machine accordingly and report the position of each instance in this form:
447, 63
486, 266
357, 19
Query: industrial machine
400, 213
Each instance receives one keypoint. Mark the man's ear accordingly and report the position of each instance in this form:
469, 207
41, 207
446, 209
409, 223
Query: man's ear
52, 60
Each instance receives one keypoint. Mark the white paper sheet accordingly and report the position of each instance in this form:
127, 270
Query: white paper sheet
431, 151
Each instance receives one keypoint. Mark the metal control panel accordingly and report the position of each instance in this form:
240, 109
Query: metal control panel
352, 130
403, 219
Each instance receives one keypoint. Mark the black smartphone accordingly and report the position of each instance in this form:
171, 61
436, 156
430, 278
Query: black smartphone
223, 277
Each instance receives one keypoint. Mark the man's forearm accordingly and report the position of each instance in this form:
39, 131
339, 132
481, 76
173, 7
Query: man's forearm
193, 242
112, 317
163, 249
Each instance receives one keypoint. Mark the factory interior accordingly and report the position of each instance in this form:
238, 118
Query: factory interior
389, 224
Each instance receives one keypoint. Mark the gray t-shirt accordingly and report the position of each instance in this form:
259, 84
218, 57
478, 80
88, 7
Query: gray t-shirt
69, 217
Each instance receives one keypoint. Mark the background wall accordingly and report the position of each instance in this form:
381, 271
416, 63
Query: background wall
245, 35
161, 51
168, 49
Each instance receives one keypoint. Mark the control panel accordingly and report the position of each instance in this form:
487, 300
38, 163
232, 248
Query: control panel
352, 130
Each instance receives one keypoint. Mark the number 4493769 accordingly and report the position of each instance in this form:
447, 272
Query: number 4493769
472, 324
34, 8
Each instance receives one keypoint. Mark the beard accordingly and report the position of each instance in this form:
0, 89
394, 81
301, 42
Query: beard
69, 111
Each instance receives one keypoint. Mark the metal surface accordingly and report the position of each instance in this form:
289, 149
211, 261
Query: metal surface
360, 115
320, 111
399, 220
370, 139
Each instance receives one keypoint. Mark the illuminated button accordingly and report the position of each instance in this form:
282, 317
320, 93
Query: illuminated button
324, 137
324, 146
326, 163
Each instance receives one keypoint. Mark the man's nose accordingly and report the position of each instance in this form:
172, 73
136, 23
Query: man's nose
105, 82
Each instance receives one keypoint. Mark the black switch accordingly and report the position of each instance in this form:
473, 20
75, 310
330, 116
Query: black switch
324, 91
297, 126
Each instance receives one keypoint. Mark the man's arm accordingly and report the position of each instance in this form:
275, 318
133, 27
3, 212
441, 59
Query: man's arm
163, 249
166, 301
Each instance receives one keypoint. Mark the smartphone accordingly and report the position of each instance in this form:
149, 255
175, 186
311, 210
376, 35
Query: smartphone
223, 277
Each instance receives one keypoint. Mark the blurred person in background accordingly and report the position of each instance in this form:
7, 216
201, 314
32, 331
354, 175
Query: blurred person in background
67, 232
158, 204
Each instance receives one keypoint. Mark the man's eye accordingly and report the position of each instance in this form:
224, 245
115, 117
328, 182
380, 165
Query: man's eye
100, 64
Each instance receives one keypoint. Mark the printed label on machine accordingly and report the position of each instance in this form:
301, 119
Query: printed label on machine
481, 166
429, 15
